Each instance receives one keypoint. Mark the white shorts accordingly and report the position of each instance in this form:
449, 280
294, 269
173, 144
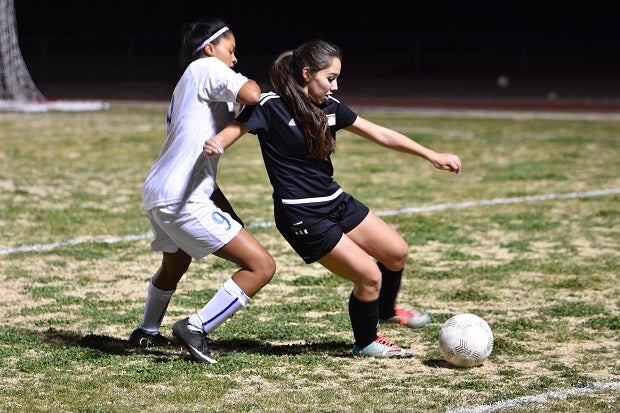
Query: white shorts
199, 229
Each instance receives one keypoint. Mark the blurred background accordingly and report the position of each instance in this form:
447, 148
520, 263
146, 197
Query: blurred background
445, 50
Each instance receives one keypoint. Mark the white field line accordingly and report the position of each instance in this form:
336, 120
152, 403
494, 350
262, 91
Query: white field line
403, 211
539, 398
498, 201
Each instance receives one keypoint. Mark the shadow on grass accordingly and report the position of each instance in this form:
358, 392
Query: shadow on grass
327, 348
442, 364
105, 344
117, 346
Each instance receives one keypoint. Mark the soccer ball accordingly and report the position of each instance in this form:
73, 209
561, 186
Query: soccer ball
465, 340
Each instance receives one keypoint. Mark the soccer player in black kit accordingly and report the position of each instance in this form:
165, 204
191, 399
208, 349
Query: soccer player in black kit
296, 126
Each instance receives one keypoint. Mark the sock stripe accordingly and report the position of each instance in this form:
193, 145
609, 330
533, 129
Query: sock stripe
221, 312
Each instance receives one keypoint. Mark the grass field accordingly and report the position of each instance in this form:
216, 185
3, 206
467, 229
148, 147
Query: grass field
527, 237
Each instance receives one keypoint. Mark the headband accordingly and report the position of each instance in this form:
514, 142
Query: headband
212, 37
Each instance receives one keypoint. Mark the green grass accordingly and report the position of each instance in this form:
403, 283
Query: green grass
544, 274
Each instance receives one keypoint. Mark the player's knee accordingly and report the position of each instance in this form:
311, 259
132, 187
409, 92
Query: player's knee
265, 268
173, 266
369, 286
397, 257
270, 267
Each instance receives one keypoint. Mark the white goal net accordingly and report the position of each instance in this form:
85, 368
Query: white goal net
18, 91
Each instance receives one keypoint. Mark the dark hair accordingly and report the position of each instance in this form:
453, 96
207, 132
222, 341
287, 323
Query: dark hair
287, 80
192, 36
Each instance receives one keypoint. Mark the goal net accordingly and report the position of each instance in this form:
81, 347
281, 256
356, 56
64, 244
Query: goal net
18, 91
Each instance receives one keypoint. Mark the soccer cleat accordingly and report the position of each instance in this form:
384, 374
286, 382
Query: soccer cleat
382, 347
142, 339
409, 317
195, 342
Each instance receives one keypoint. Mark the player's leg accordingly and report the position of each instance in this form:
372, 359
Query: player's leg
349, 261
391, 251
173, 266
257, 267
381, 242
162, 286
160, 289
216, 232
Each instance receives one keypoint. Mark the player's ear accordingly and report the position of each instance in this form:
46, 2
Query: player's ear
209, 49
306, 73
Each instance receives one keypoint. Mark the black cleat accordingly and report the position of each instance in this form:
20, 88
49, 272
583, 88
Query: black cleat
194, 342
142, 339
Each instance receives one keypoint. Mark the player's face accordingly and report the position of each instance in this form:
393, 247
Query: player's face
225, 50
323, 83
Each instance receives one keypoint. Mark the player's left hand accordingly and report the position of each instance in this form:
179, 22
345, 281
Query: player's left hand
212, 147
447, 162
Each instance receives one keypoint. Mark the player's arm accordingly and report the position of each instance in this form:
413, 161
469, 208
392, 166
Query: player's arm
215, 145
222, 203
392, 139
249, 94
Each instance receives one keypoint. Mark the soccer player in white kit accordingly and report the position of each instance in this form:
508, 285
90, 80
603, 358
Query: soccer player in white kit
190, 216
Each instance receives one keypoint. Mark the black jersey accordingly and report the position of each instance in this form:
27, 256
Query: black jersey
296, 177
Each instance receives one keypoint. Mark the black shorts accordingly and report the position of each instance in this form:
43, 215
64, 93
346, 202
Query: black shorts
314, 229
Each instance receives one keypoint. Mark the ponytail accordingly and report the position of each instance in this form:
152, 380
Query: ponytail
287, 80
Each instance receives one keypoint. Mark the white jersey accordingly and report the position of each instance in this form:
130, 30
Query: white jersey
202, 104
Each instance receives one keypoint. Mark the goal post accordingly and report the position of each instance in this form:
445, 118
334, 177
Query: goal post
16, 82
18, 91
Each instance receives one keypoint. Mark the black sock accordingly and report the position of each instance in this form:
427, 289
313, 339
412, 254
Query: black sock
390, 285
364, 320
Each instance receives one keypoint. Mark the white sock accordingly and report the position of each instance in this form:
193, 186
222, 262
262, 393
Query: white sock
156, 304
225, 303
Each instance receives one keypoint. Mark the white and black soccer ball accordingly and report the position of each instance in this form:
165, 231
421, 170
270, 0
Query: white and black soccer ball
465, 340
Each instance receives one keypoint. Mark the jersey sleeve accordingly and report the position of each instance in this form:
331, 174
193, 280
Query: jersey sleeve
344, 116
255, 117
218, 82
